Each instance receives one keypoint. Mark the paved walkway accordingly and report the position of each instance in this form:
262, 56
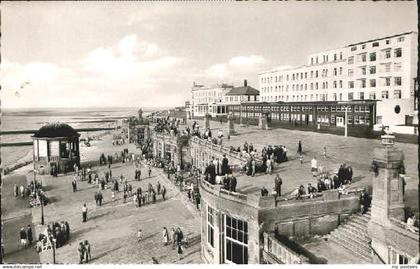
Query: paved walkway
16, 213
112, 228
356, 152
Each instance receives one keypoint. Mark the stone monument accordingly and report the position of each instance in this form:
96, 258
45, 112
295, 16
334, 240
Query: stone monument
207, 121
231, 126
262, 122
387, 194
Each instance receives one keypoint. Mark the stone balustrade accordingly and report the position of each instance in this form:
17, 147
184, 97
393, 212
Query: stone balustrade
402, 226
276, 252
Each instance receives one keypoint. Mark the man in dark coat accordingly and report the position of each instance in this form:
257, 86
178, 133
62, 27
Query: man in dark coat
277, 184
321, 186
211, 170
226, 182
74, 185
100, 197
67, 230
225, 165
300, 148
163, 192
233, 183
29, 234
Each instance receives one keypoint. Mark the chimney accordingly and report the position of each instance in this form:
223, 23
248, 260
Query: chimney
245, 83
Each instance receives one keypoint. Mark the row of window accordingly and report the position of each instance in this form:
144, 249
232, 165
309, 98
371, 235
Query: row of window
336, 97
298, 108
336, 57
336, 84
325, 118
337, 71
385, 54
372, 82
385, 68
377, 43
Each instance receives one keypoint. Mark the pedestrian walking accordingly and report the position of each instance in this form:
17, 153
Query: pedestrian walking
87, 251
22, 191
173, 237
314, 166
165, 236
16, 190
158, 187
180, 251
300, 147
81, 252
96, 198
100, 198
149, 170
84, 212
23, 237
125, 197
29, 235
139, 235
277, 184
325, 152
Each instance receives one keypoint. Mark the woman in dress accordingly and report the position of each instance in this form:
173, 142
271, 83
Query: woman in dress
165, 236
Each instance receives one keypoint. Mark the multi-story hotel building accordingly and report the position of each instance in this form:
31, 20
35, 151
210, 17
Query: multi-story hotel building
208, 99
215, 100
382, 69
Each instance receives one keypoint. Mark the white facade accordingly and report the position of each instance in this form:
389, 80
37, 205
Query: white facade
379, 69
238, 99
208, 99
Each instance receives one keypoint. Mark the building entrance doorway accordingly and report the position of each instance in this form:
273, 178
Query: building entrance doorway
339, 121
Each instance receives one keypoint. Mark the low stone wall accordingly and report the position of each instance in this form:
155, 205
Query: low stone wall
276, 252
308, 217
293, 218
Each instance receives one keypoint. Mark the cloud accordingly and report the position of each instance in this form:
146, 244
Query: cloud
124, 74
245, 61
236, 66
129, 57
127, 45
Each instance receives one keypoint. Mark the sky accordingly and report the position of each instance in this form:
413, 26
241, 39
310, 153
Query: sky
148, 54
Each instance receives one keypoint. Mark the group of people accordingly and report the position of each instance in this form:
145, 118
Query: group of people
119, 139
21, 191
84, 252
26, 236
278, 181
229, 182
166, 125
176, 238
57, 233
217, 168
141, 197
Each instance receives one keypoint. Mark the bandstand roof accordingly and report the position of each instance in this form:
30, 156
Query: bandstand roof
56, 129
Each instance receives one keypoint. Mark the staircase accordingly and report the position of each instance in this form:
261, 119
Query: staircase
353, 235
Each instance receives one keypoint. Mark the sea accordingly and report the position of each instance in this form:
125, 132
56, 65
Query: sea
35, 118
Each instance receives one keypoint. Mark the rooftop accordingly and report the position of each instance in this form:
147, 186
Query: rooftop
243, 90
56, 129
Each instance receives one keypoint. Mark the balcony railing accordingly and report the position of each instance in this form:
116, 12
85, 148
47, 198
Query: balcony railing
280, 253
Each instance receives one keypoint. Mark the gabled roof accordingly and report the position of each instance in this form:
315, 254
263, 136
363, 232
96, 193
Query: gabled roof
244, 90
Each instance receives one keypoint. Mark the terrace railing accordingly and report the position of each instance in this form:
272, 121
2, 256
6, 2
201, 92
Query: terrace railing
277, 252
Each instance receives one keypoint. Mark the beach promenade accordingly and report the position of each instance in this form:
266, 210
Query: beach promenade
356, 152
112, 228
